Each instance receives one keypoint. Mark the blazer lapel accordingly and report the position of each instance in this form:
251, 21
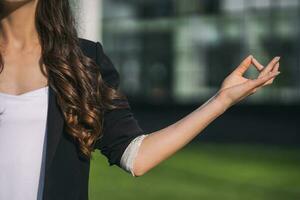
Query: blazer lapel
54, 127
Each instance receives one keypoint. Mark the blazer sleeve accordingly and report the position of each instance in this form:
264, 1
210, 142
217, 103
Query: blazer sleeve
120, 126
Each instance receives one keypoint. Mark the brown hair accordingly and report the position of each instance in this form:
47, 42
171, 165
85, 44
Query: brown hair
81, 93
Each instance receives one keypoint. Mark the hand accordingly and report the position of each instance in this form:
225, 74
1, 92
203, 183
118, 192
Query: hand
235, 87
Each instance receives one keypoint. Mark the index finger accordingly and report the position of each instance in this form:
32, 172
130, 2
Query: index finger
245, 64
259, 66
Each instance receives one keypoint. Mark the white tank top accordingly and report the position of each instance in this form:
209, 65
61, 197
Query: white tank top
22, 139
23, 145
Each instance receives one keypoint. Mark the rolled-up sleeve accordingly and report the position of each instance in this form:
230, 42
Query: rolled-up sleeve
130, 154
119, 126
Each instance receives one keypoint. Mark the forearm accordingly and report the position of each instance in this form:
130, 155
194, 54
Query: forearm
160, 145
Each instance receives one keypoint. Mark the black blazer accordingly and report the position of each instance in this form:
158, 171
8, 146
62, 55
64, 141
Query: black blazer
66, 173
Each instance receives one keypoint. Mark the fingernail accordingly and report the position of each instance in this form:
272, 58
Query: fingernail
277, 73
277, 58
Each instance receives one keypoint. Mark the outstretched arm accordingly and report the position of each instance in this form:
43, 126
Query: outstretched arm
161, 144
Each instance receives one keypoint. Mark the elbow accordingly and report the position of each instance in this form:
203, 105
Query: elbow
138, 172
139, 169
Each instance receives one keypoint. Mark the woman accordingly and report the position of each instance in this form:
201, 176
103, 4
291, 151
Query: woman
60, 100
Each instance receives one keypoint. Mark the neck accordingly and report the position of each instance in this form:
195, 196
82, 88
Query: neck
17, 23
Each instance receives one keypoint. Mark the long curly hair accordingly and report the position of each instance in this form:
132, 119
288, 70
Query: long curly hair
81, 93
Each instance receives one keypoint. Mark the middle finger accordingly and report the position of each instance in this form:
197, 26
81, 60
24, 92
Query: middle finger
270, 66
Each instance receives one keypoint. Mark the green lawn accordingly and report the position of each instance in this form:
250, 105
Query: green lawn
205, 171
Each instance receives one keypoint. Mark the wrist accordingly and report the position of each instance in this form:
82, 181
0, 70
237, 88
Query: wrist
223, 100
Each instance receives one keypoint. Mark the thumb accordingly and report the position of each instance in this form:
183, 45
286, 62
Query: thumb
260, 81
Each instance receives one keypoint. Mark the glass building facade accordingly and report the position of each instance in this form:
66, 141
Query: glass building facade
176, 51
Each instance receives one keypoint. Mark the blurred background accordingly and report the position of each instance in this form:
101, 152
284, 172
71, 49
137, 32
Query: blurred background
172, 56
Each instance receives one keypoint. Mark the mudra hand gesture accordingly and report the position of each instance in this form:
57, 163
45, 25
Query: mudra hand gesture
235, 87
